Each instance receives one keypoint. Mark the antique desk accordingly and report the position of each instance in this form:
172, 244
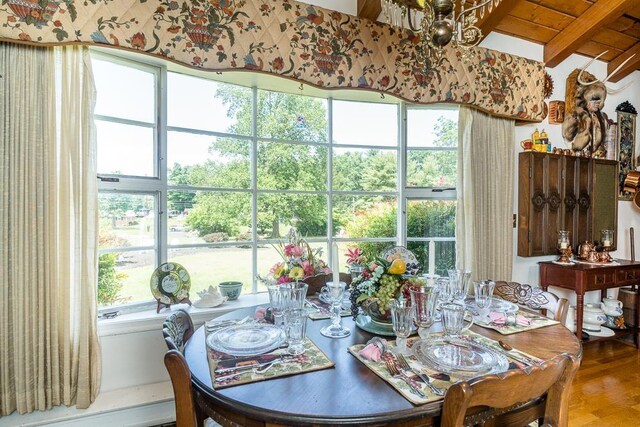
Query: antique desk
582, 278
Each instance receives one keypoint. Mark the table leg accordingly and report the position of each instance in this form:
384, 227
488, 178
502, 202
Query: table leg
636, 316
579, 307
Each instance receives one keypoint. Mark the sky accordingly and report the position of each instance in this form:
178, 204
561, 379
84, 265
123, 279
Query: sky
128, 93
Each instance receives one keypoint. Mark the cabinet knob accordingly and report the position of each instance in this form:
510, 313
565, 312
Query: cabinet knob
599, 279
629, 275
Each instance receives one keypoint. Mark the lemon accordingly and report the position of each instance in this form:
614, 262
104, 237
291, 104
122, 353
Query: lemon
398, 266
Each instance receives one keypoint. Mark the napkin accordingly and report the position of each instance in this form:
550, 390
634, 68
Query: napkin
260, 313
501, 319
373, 350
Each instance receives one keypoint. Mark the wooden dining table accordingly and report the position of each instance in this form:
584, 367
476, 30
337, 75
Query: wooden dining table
347, 394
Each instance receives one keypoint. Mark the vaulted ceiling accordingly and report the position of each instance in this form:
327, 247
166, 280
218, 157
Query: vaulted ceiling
587, 27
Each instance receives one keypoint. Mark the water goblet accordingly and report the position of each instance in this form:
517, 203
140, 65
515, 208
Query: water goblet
460, 283
453, 319
424, 299
446, 286
297, 295
278, 297
295, 320
402, 318
483, 295
334, 294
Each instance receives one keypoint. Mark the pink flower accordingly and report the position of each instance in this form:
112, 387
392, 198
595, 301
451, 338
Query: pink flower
293, 250
284, 279
307, 266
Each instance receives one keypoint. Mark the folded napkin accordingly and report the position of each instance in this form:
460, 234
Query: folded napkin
374, 349
501, 319
260, 313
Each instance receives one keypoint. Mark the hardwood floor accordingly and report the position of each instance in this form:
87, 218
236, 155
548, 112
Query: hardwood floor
606, 391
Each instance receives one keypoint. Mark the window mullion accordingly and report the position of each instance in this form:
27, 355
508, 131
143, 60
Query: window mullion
163, 211
254, 188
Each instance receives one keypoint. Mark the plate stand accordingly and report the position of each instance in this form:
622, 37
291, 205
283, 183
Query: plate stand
162, 305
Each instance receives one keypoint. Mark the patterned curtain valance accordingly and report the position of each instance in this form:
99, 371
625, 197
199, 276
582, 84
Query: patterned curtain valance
283, 37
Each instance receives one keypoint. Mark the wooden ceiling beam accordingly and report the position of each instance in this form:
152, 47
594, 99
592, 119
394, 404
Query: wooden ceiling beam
498, 13
583, 28
629, 67
369, 9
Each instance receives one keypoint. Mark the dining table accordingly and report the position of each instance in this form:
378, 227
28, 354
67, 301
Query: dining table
348, 393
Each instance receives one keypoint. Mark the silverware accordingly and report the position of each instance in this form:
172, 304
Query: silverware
424, 377
517, 355
260, 368
312, 305
396, 373
247, 367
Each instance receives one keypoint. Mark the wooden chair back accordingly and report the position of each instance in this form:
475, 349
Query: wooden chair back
181, 381
534, 298
513, 388
177, 329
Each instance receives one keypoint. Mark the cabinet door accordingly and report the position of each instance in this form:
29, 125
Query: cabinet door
570, 198
554, 211
582, 227
605, 199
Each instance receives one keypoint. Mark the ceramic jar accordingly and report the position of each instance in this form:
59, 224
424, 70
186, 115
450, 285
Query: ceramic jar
570, 323
612, 307
593, 317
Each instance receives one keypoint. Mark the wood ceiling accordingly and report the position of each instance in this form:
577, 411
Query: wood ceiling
587, 27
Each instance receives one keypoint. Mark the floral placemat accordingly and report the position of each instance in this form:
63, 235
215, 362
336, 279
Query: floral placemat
441, 380
322, 310
535, 321
227, 370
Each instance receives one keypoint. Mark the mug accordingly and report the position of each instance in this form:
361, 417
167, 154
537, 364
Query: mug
526, 144
453, 319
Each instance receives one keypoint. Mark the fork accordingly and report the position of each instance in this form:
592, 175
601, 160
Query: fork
425, 378
395, 372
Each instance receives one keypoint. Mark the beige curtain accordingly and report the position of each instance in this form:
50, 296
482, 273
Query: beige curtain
484, 215
49, 349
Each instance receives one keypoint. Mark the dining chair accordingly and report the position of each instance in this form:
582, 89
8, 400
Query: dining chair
511, 393
534, 298
177, 329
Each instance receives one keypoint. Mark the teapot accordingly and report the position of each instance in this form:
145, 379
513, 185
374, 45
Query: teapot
593, 317
612, 307
585, 249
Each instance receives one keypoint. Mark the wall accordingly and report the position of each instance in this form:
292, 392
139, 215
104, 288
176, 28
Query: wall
525, 270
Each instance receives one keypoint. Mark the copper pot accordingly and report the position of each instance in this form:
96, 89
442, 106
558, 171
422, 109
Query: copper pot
585, 249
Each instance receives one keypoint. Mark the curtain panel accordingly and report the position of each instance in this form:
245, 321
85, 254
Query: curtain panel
484, 212
49, 349
306, 43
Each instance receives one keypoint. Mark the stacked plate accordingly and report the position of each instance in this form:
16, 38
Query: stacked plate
247, 340
459, 357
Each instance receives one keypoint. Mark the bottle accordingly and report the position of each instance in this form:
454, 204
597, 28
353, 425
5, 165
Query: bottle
544, 141
536, 140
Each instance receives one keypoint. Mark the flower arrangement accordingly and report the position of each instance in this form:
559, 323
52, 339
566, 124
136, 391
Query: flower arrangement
380, 282
299, 260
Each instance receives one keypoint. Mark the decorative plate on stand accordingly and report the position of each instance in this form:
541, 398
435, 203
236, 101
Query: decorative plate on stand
170, 284
400, 252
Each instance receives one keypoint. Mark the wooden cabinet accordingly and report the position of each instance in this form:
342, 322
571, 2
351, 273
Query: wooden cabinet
564, 193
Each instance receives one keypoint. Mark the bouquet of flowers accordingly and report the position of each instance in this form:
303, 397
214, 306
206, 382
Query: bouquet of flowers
299, 260
380, 282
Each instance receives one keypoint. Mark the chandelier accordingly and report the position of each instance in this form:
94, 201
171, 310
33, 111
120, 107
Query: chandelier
439, 22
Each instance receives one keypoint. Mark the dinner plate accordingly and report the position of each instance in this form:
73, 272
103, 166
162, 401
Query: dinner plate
460, 357
603, 332
497, 304
170, 283
247, 340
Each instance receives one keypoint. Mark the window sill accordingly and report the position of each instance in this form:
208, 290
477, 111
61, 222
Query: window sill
149, 320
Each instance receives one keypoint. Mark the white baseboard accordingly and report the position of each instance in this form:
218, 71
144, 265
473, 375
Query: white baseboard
141, 406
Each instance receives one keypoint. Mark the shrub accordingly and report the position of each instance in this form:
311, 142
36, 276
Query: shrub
215, 237
109, 280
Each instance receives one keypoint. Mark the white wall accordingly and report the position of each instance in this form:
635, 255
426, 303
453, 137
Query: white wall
525, 270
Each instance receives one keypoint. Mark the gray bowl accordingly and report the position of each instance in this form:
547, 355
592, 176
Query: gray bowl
230, 289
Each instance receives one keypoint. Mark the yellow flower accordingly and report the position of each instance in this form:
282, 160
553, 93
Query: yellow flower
279, 270
296, 273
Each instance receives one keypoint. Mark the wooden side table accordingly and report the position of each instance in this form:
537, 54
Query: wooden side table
582, 278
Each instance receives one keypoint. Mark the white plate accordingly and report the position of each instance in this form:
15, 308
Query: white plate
247, 340
603, 332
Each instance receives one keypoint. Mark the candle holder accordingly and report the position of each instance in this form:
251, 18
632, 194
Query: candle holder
564, 247
606, 242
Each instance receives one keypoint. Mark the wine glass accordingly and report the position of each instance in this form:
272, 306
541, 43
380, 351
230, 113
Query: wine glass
424, 299
402, 318
334, 293
483, 295
459, 283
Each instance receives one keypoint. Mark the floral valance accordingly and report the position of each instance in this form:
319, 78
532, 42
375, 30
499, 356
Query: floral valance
283, 37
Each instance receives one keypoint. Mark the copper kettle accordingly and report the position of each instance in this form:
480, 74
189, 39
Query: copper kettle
585, 249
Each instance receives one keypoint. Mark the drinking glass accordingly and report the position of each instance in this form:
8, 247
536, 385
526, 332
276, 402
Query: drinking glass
459, 283
334, 294
297, 294
453, 319
295, 322
278, 297
424, 299
402, 317
483, 295
447, 289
